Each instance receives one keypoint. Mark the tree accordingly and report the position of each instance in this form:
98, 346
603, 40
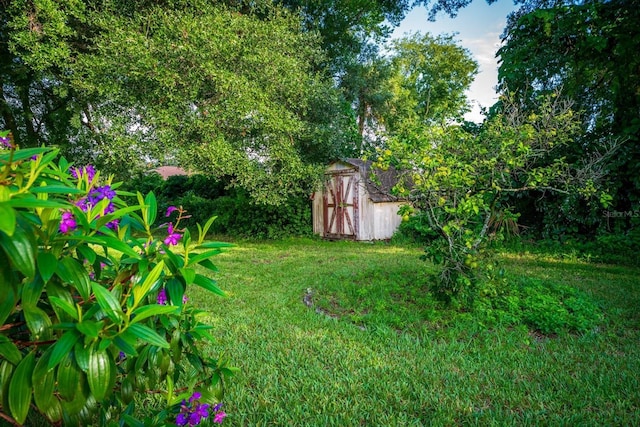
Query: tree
220, 91
460, 181
429, 79
589, 50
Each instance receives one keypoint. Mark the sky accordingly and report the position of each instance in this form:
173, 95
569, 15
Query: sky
478, 27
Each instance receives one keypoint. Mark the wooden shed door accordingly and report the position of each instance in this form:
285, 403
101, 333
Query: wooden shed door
340, 204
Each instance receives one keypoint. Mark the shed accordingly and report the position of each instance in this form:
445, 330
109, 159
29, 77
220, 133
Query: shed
353, 204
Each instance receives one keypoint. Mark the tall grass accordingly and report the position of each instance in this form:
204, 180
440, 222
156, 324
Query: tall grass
384, 353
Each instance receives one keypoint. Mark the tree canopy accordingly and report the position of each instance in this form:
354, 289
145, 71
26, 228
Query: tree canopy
589, 51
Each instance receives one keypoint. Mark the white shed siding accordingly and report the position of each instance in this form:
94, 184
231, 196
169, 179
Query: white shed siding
376, 220
386, 219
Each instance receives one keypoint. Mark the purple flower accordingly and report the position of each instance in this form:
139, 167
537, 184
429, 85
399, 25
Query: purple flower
121, 355
83, 204
203, 410
88, 170
193, 412
217, 407
172, 238
184, 299
194, 419
219, 417
104, 192
162, 300
6, 141
68, 222
113, 224
170, 210
181, 419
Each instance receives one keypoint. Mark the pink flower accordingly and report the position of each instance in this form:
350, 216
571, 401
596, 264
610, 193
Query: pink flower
172, 238
162, 297
170, 210
68, 222
219, 417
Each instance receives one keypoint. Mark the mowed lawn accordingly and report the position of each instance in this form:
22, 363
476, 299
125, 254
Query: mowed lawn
413, 366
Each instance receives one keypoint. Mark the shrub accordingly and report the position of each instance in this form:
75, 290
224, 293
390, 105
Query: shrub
94, 306
546, 307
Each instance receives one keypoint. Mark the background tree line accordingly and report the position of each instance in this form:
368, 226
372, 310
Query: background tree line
262, 94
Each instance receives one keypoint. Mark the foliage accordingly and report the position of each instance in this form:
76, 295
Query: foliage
544, 306
458, 180
588, 49
226, 93
94, 305
429, 79
415, 229
203, 196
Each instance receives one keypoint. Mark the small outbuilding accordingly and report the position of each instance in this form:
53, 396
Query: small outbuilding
356, 202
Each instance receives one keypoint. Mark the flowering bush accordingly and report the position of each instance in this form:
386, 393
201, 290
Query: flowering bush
93, 307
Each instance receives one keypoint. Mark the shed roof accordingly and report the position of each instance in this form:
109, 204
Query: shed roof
380, 186
167, 171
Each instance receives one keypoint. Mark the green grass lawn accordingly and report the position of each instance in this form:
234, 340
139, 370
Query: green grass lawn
381, 353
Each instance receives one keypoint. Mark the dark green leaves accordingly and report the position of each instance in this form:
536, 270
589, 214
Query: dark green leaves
7, 219
101, 374
20, 388
108, 302
21, 249
147, 335
71, 271
62, 347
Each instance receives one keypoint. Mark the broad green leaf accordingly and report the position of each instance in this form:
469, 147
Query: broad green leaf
64, 306
31, 291
38, 322
147, 311
208, 284
47, 263
109, 242
175, 289
108, 302
189, 274
21, 387
7, 219
101, 374
6, 371
141, 290
90, 328
82, 355
34, 203
105, 219
205, 228
118, 245
22, 154
209, 265
9, 351
147, 335
151, 207
87, 253
62, 347
56, 189
72, 272
45, 382
122, 342
69, 376
214, 245
62, 293
8, 300
205, 255
21, 249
